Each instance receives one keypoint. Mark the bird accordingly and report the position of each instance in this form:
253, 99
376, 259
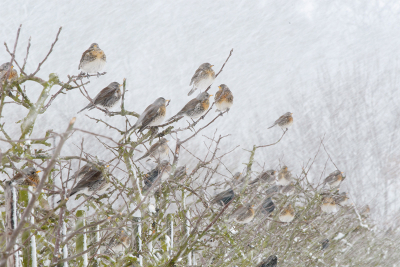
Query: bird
243, 214
365, 211
284, 176
328, 205
268, 176
284, 121
159, 150
28, 176
288, 189
202, 78
93, 60
7, 72
118, 242
268, 206
223, 98
334, 179
287, 214
92, 180
272, 190
341, 199
224, 197
153, 115
180, 173
238, 178
271, 261
195, 108
160, 172
324, 244
107, 97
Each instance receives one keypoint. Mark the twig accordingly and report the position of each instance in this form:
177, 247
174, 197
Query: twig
230, 54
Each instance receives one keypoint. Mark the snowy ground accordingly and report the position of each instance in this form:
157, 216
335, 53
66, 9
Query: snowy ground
334, 65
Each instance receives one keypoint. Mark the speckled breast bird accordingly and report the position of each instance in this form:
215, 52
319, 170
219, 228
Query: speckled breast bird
93, 60
268, 176
267, 207
93, 180
223, 98
284, 121
328, 205
195, 108
28, 176
224, 197
341, 199
118, 243
272, 190
159, 174
153, 115
324, 244
243, 214
284, 176
107, 97
180, 173
289, 189
158, 151
334, 179
202, 78
8, 72
271, 261
287, 214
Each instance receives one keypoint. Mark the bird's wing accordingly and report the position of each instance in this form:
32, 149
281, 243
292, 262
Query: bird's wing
88, 179
106, 93
197, 76
150, 151
85, 55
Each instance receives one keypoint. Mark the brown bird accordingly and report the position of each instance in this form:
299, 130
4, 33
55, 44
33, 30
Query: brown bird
334, 179
224, 197
287, 214
153, 115
159, 174
118, 243
223, 98
107, 97
341, 199
202, 78
273, 190
284, 121
284, 176
268, 176
28, 176
243, 214
195, 108
93, 60
268, 206
159, 150
288, 189
180, 173
7, 72
328, 205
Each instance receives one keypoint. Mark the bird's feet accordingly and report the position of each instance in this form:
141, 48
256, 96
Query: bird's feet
98, 74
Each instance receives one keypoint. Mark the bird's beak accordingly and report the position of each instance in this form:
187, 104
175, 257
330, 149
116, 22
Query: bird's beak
167, 141
210, 96
12, 66
219, 87
38, 171
108, 166
212, 66
120, 85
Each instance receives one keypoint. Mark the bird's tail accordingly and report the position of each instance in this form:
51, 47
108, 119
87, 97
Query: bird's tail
88, 106
272, 126
192, 90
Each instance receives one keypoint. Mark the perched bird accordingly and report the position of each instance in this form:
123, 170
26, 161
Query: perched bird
159, 174
28, 176
328, 205
284, 176
268, 176
107, 97
118, 243
93, 180
195, 108
341, 199
284, 121
271, 261
82, 171
324, 244
272, 190
287, 214
202, 78
153, 115
268, 206
223, 98
180, 173
159, 150
224, 197
93, 60
334, 179
243, 214
288, 189
238, 178
8, 72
